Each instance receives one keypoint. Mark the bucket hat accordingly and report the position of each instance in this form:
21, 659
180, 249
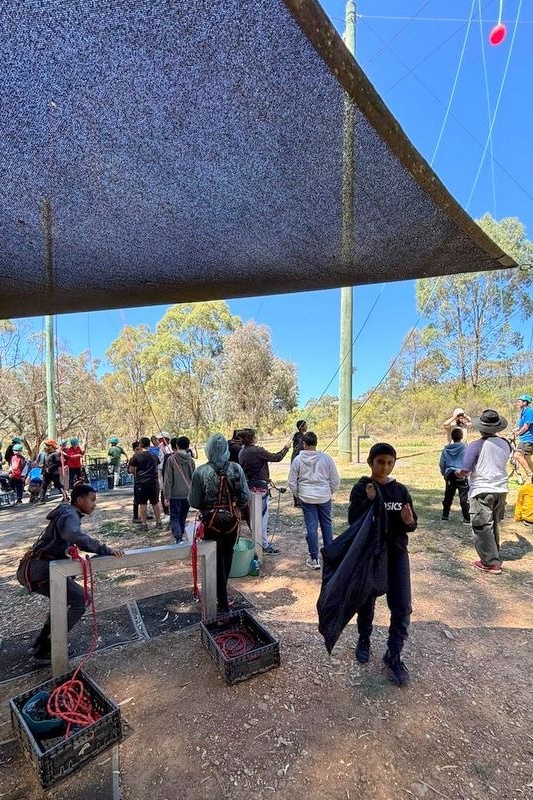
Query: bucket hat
489, 422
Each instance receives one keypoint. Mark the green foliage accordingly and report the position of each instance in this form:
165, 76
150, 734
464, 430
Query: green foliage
472, 315
256, 388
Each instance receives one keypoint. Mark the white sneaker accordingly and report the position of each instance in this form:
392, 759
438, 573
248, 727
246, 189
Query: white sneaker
165, 518
313, 563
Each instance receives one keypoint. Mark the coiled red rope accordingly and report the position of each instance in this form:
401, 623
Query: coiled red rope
70, 701
234, 643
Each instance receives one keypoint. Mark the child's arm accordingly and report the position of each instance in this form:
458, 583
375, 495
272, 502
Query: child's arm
519, 503
442, 464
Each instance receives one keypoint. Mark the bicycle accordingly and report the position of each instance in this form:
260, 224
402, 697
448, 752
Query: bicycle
513, 461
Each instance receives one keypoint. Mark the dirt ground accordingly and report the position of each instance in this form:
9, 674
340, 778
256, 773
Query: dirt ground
319, 726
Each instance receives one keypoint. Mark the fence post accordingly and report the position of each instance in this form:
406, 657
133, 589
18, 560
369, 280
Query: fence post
58, 619
256, 518
208, 569
61, 570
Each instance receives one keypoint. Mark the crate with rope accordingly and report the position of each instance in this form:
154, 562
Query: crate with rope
82, 723
67, 720
239, 645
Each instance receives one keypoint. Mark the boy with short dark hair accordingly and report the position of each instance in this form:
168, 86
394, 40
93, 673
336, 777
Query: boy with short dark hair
63, 530
143, 466
451, 462
401, 520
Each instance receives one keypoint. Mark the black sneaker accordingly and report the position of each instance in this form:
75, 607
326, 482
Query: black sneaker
444, 519
396, 670
270, 550
362, 651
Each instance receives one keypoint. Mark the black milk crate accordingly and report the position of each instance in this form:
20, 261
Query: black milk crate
262, 657
56, 757
7, 498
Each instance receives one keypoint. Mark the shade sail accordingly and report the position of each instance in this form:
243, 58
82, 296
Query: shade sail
164, 151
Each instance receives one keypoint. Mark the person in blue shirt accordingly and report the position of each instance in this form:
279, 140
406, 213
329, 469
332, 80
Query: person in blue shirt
451, 462
524, 431
33, 482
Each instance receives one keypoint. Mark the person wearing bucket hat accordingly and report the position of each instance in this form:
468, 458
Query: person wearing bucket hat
485, 463
524, 431
457, 420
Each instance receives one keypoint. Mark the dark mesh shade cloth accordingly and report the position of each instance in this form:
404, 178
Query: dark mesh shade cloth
170, 151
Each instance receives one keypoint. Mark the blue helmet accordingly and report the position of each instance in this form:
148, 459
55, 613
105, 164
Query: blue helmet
17, 448
74, 440
526, 398
113, 440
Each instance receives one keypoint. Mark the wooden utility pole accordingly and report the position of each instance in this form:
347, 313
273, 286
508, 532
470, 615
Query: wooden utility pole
344, 427
49, 324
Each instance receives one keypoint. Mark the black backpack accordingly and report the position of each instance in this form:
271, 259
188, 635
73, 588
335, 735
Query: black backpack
224, 517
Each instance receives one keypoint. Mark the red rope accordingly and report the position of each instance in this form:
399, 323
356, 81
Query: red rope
70, 701
198, 534
234, 643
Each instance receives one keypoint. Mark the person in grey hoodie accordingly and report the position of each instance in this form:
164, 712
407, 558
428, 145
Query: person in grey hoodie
205, 493
313, 477
63, 530
451, 461
177, 472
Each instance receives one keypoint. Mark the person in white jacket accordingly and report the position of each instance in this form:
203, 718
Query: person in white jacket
313, 477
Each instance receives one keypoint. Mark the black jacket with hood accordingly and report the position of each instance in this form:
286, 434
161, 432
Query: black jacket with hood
64, 529
395, 496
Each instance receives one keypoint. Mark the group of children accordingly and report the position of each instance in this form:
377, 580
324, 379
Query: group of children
58, 465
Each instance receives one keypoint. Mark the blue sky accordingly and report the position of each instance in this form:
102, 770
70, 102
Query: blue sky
412, 63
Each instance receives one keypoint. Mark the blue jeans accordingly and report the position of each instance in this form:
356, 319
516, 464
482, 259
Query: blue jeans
178, 517
316, 514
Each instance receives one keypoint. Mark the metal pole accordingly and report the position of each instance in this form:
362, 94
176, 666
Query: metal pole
49, 324
344, 427
50, 377
256, 520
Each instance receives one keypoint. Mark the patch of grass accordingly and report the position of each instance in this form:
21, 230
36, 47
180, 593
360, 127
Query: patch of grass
370, 684
125, 577
114, 529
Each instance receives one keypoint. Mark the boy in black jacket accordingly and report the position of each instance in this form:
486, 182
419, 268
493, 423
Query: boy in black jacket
401, 519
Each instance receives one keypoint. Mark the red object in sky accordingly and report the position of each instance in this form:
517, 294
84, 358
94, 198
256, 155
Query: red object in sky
498, 34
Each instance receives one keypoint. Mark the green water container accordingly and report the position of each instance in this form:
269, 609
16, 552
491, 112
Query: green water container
243, 554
